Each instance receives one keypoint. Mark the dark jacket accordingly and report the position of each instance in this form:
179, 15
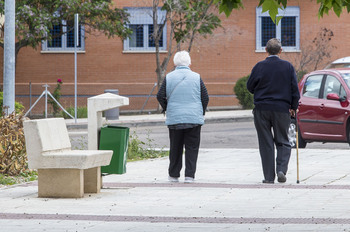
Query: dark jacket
274, 84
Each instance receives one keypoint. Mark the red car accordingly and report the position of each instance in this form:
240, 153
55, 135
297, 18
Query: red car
324, 109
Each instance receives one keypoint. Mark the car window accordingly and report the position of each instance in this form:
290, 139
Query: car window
332, 85
312, 86
346, 77
342, 93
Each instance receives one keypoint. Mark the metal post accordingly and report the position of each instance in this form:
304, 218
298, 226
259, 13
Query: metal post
46, 92
76, 41
46, 85
30, 97
9, 57
149, 95
297, 145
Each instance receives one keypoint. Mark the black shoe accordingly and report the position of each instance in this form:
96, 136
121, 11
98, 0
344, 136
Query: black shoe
268, 181
281, 177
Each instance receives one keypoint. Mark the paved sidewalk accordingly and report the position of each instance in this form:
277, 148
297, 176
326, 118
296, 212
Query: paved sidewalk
227, 196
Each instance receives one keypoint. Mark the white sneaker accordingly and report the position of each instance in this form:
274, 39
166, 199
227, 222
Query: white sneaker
173, 179
189, 179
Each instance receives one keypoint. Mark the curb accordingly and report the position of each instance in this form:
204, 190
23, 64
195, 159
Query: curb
160, 122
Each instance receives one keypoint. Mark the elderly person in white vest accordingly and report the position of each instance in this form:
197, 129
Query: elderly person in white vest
184, 98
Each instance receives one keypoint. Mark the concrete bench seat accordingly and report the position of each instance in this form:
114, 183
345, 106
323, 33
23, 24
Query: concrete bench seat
62, 172
75, 159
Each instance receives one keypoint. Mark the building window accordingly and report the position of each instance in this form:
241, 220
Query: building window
287, 30
63, 38
141, 24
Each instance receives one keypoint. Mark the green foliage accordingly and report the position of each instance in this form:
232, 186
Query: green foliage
187, 20
227, 6
300, 74
191, 17
18, 106
335, 5
81, 112
26, 176
272, 6
246, 99
139, 150
57, 95
35, 18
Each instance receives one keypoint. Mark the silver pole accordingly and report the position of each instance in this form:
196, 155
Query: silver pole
149, 95
37, 100
46, 85
46, 92
76, 41
30, 97
9, 57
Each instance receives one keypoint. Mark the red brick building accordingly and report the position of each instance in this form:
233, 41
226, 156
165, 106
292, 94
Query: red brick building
221, 59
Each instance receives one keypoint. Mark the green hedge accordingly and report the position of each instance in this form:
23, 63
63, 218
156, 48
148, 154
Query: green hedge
18, 106
246, 99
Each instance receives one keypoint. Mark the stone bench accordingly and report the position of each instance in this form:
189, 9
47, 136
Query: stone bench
62, 172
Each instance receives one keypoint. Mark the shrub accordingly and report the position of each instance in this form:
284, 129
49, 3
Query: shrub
81, 112
139, 150
13, 157
300, 74
246, 99
57, 95
18, 106
26, 176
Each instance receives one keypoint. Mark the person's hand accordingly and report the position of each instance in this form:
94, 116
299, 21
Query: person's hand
293, 112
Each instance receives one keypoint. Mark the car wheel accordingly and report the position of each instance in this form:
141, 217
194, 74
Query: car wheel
292, 136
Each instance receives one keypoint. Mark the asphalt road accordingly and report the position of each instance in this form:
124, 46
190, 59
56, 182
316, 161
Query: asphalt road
221, 135
216, 135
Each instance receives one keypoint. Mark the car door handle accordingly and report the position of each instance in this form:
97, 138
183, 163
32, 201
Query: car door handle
321, 106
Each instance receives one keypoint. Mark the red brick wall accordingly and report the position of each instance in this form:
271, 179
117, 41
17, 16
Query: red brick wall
221, 59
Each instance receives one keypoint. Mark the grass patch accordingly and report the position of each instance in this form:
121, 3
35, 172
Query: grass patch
23, 177
140, 150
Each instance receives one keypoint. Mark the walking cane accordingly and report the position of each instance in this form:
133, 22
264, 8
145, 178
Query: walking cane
297, 145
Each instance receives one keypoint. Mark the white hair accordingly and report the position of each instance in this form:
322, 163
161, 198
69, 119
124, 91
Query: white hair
182, 58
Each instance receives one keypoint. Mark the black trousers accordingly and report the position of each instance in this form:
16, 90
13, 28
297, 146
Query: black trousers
272, 129
190, 138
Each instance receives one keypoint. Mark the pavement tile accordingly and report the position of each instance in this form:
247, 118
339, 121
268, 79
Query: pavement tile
227, 196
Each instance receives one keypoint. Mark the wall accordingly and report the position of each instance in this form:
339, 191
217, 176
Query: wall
221, 59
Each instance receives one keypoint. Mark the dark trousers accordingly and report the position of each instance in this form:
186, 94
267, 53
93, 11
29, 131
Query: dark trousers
190, 138
272, 129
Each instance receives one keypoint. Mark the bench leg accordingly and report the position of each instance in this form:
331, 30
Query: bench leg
92, 180
61, 182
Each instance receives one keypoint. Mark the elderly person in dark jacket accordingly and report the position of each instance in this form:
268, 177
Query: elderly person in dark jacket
184, 97
274, 85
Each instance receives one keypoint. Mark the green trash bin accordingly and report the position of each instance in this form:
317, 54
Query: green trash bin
115, 138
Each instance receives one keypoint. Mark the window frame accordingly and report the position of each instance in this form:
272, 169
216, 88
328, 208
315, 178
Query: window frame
290, 11
328, 80
320, 89
64, 48
142, 16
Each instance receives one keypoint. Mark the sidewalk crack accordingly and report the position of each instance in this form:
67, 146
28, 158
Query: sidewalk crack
340, 178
